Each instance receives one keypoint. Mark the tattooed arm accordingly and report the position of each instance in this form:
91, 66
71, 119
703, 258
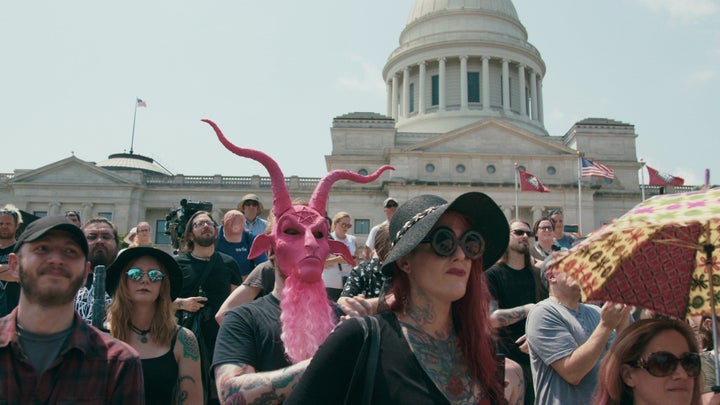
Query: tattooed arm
503, 317
187, 354
240, 384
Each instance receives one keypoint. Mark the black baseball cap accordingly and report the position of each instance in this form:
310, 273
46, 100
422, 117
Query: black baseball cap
36, 229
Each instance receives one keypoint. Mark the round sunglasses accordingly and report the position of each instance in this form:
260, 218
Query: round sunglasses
663, 364
154, 275
444, 243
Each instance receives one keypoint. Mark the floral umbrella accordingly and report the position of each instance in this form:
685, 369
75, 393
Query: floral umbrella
658, 256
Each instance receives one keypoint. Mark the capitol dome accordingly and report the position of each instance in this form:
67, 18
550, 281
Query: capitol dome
463, 60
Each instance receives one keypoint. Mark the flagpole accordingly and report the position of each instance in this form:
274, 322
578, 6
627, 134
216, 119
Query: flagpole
516, 191
642, 178
579, 173
132, 139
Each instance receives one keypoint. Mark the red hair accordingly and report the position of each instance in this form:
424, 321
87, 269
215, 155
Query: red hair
471, 320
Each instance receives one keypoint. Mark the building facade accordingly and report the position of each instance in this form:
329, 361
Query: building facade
464, 111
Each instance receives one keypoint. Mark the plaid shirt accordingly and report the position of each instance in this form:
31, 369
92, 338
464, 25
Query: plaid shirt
92, 367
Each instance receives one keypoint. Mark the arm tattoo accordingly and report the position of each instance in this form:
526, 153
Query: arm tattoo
240, 384
182, 394
509, 316
191, 350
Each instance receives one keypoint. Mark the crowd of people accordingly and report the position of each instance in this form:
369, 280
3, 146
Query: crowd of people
446, 302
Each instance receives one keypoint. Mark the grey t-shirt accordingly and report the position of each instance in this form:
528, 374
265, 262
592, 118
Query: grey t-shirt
42, 349
554, 332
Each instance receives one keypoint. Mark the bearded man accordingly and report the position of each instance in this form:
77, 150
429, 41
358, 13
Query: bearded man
265, 345
48, 354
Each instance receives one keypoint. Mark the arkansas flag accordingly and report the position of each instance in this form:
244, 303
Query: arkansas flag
529, 182
658, 178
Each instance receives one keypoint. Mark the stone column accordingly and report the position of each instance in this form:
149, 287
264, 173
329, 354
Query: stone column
537, 213
394, 112
421, 88
533, 95
508, 211
485, 83
405, 99
86, 211
506, 84
540, 100
54, 209
521, 84
441, 84
389, 98
463, 83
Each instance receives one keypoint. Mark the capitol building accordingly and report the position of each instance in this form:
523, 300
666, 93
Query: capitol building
464, 110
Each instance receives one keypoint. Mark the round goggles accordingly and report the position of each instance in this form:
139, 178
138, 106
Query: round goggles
155, 276
444, 243
663, 364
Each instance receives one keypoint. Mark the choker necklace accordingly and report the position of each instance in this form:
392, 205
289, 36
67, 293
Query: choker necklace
141, 333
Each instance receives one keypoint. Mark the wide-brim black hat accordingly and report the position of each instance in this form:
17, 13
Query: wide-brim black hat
172, 269
414, 219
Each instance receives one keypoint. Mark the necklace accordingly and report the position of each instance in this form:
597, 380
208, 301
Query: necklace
141, 333
203, 258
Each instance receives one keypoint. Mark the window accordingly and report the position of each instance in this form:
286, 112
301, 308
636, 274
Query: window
161, 238
473, 83
435, 90
551, 170
460, 168
522, 168
40, 214
429, 167
362, 226
106, 215
491, 169
363, 172
411, 98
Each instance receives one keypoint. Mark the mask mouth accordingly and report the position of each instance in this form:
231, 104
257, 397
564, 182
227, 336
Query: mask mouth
310, 269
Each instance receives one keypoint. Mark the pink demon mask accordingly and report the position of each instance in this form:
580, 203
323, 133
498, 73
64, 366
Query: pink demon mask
301, 245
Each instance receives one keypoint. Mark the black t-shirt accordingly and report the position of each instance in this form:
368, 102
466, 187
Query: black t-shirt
512, 288
9, 290
250, 334
216, 286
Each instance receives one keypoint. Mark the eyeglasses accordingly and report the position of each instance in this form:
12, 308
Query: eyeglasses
663, 364
545, 228
520, 232
391, 205
200, 224
9, 212
346, 226
154, 275
444, 243
250, 203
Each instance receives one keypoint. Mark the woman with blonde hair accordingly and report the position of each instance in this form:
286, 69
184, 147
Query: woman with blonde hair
143, 282
337, 269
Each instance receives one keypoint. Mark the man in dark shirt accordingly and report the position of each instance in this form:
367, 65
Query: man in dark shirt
10, 220
514, 285
48, 354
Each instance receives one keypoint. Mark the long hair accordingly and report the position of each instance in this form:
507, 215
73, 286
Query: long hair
527, 258
188, 242
628, 347
163, 325
471, 320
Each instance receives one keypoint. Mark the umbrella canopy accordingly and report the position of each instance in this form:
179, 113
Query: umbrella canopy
660, 255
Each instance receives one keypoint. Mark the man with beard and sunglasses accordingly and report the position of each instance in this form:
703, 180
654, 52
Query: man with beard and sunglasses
515, 287
568, 339
103, 244
48, 354
208, 278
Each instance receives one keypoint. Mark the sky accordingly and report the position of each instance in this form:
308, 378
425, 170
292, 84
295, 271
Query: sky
274, 74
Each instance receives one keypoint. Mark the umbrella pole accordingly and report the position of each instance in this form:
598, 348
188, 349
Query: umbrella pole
708, 248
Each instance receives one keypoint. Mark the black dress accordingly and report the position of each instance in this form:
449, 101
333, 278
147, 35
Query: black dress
161, 375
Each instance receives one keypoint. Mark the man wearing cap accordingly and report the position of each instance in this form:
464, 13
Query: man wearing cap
103, 244
47, 353
390, 205
251, 207
10, 220
74, 217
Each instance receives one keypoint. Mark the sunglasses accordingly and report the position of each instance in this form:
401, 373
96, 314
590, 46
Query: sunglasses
444, 243
520, 232
545, 228
663, 364
391, 205
250, 203
155, 276
346, 226
9, 212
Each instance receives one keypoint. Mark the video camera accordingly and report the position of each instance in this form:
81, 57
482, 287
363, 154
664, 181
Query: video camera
177, 219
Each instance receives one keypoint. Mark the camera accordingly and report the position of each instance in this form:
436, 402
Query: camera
176, 220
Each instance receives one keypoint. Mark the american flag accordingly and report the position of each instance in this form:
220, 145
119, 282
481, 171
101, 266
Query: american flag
141, 103
590, 169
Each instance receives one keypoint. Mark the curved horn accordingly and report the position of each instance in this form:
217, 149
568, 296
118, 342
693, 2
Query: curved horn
281, 195
318, 200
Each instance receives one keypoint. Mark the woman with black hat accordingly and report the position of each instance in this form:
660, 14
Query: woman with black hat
143, 282
435, 337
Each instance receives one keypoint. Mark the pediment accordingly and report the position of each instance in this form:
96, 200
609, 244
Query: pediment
491, 137
71, 171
